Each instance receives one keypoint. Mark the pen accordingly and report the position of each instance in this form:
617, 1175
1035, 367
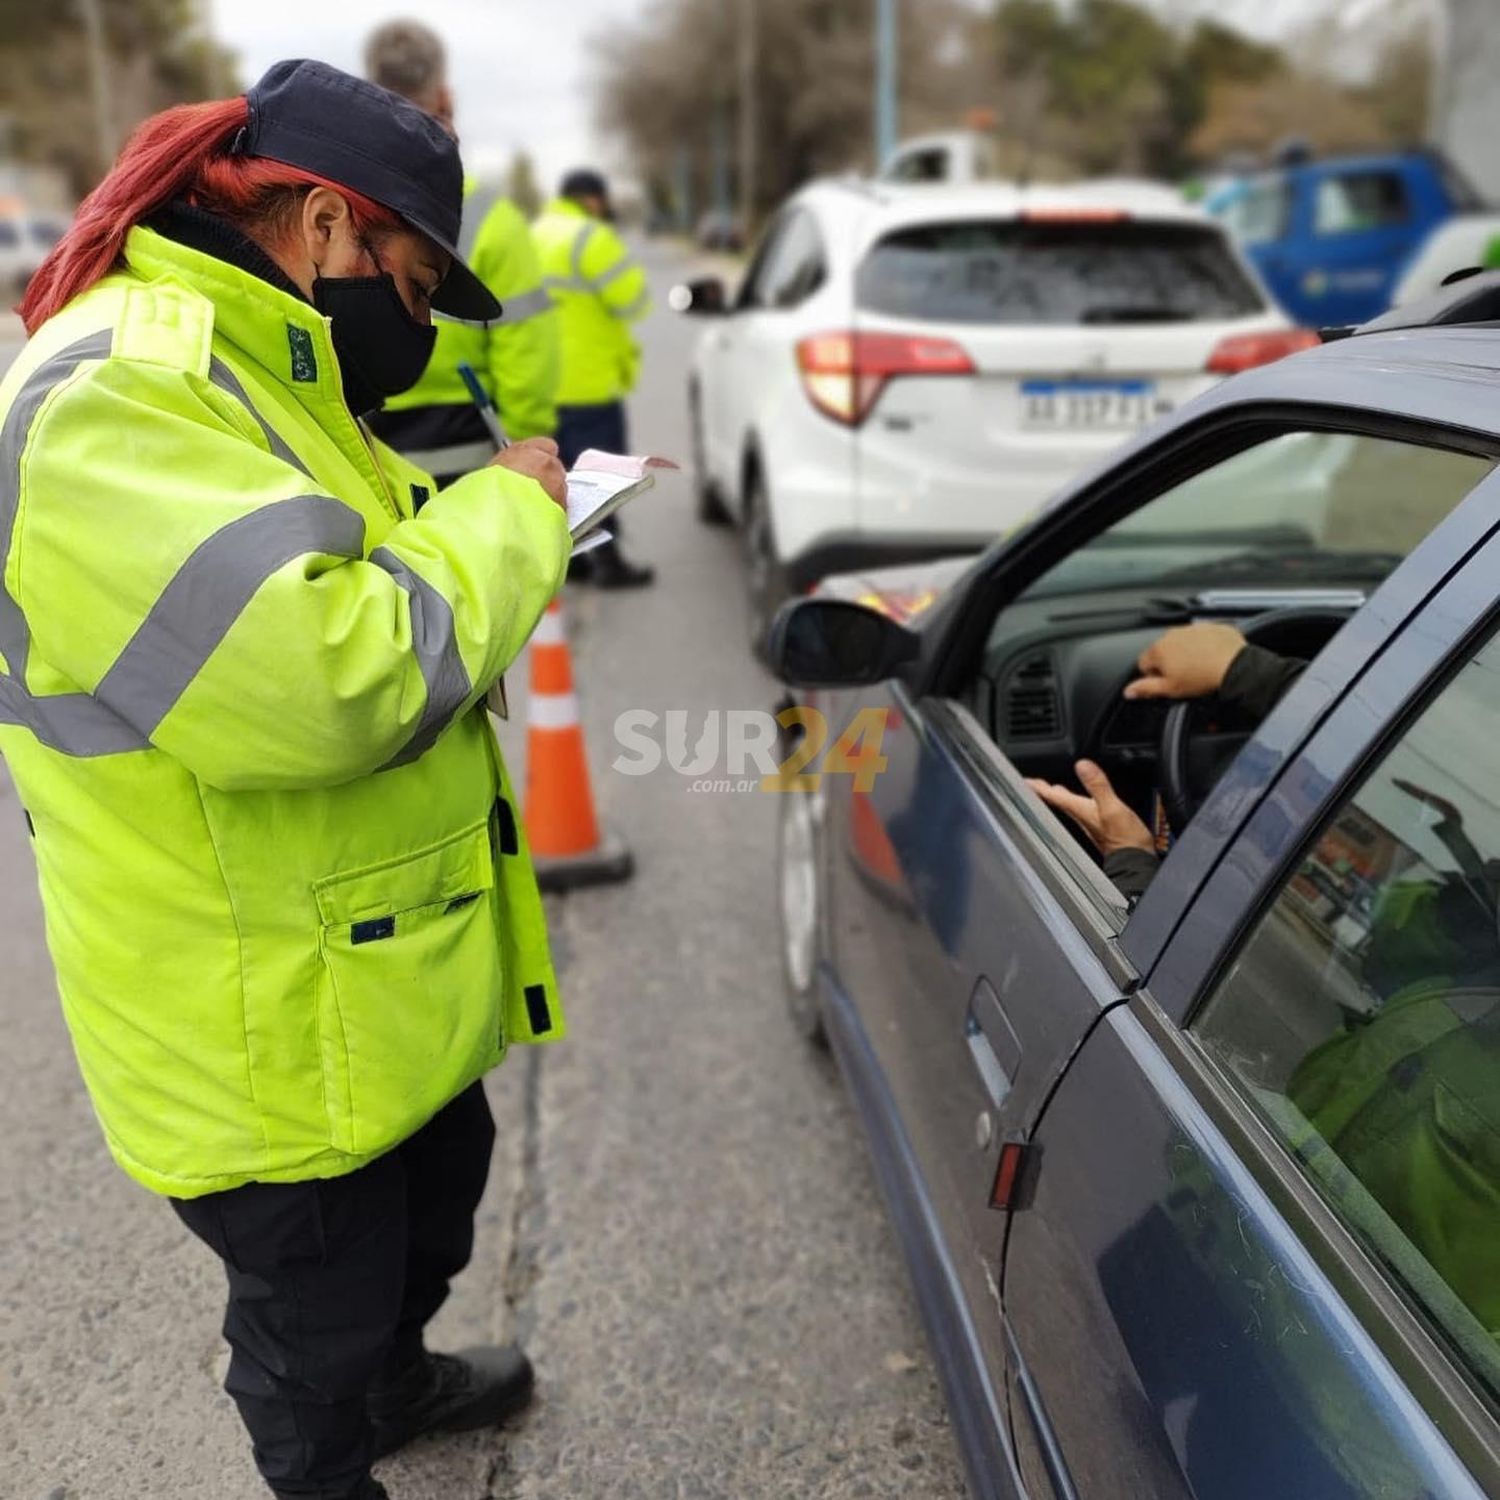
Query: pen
487, 412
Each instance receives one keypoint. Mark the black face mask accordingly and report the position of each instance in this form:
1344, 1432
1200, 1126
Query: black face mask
382, 349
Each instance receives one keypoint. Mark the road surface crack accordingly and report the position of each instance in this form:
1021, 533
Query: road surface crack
529, 1209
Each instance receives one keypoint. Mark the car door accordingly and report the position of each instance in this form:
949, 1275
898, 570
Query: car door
1364, 228
1263, 1249
745, 348
972, 942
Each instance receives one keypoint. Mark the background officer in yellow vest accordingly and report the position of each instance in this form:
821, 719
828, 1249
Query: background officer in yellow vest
435, 424
600, 291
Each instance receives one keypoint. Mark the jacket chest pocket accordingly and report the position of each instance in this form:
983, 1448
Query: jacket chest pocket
410, 994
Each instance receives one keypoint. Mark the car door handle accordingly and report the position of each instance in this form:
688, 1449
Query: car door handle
992, 1041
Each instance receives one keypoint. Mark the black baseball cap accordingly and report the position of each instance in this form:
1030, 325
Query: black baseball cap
584, 182
307, 114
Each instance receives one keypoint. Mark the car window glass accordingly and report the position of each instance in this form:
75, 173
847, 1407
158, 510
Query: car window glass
793, 265
1014, 271
752, 286
9, 236
45, 232
1302, 509
1258, 214
1362, 1018
920, 166
1352, 201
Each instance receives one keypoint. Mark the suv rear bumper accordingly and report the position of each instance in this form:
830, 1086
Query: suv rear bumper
852, 552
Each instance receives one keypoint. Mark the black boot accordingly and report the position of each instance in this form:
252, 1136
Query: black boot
370, 1489
611, 571
474, 1388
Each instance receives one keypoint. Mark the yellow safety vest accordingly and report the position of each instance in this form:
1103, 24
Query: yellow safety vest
599, 290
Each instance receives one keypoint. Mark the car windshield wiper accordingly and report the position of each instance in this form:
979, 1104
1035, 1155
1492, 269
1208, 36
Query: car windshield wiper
1288, 568
1127, 312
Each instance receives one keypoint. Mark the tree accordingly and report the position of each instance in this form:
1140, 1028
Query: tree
157, 53
668, 87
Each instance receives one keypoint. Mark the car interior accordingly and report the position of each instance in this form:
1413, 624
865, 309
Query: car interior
1285, 539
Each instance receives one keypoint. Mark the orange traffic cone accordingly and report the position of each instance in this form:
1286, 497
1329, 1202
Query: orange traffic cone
567, 847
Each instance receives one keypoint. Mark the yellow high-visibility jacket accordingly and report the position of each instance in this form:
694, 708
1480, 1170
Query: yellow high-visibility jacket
435, 424
599, 290
286, 890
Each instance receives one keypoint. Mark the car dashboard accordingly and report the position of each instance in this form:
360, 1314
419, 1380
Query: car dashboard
1050, 688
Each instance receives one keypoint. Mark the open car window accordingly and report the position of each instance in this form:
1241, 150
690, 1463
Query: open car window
1308, 521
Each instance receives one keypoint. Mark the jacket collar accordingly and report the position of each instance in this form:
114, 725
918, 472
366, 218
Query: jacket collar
279, 329
566, 206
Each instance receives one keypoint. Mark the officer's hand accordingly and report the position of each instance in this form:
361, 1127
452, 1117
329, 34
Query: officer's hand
537, 459
1188, 662
1098, 810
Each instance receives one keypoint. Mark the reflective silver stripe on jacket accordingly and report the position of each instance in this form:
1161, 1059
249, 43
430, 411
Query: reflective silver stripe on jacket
456, 458
210, 591
193, 613
74, 723
477, 206
576, 281
513, 309
523, 305
436, 646
221, 375
634, 308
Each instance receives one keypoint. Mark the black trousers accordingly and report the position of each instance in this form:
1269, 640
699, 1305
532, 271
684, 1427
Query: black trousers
602, 427
330, 1286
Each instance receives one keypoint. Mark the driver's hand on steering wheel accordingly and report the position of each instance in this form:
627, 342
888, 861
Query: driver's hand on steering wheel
1098, 811
1190, 661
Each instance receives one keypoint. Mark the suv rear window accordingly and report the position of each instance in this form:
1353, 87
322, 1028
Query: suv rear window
1015, 271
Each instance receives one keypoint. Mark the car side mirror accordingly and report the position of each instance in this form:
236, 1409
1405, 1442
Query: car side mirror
705, 297
835, 643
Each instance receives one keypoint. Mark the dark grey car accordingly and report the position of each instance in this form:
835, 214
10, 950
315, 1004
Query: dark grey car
1201, 1196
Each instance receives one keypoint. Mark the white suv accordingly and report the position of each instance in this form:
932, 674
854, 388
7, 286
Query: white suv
909, 372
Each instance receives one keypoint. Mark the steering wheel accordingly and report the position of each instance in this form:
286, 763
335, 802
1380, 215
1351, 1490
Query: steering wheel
1200, 736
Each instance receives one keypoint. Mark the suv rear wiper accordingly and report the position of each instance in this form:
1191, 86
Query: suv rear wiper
1125, 312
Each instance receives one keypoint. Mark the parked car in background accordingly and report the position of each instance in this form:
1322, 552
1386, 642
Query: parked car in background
720, 230
952, 156
906, 372
1201, 1197
1332, 237
1470, 242
25, 239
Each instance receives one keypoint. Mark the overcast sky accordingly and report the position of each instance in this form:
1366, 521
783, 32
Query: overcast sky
520, 68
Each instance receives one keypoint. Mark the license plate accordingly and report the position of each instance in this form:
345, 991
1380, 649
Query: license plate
1085, 405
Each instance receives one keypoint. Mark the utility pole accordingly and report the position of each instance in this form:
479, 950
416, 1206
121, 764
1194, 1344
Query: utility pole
749, 116
886, 125
719, 142
104, 109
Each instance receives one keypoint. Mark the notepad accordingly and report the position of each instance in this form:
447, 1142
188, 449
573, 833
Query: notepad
600, 483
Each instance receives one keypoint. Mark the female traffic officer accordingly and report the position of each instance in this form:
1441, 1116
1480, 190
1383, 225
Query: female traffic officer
244, 652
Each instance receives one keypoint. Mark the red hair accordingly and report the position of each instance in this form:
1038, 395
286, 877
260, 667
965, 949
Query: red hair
181, 153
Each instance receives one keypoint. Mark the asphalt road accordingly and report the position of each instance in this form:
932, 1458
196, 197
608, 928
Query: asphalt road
682, 1221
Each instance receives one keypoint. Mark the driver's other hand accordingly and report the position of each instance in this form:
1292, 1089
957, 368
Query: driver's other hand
1098, 810
1188, 662
537, 459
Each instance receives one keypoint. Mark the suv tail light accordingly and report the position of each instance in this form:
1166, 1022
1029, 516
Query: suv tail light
1244, 351
844, 373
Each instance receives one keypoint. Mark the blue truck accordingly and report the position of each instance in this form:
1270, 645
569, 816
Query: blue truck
1333, 236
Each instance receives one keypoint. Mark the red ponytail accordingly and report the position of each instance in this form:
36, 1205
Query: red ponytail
179, 153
